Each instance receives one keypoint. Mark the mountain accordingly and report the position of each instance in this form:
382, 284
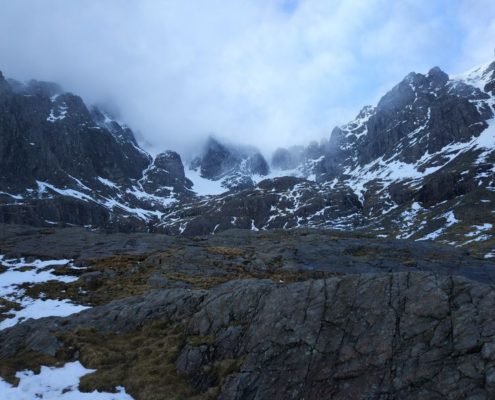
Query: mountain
64, 163
236, 167
199, 309
419, 164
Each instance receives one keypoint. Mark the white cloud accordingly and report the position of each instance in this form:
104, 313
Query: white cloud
477, 19
265, 72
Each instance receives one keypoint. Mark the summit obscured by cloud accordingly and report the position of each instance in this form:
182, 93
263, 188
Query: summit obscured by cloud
263, 72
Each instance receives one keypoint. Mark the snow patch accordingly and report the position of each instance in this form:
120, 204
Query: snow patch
14, 196
59, 114
107, 182
478, 234
42, 186
138, 212
407, 220
450, 219
433, 235
21, 272
56, 383
142, 195
203, 186
476, 77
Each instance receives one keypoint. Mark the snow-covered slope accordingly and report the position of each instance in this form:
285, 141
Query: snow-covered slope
233, 167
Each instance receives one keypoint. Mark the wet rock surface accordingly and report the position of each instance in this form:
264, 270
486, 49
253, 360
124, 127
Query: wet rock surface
398, 335
264, 315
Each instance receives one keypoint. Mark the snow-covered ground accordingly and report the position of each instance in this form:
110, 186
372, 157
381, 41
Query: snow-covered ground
55, 383
19, 272
50, 383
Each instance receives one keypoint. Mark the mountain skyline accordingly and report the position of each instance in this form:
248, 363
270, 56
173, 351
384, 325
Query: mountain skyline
111, 113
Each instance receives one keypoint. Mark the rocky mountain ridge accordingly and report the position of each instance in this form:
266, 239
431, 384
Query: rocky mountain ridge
64, 163
420, 165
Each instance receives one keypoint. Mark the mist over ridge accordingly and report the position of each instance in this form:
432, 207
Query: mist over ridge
268, 74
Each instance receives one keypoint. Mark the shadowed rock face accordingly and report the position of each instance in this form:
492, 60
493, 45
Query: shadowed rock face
55, 136
166, 174
62, 163
418, 165
216, 161
420, 115
451, 118
404, 336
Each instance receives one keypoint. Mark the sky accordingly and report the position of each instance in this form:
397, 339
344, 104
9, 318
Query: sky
268, 73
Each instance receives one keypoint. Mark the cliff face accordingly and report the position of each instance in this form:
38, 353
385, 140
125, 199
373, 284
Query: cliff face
233, 166
404, 335
62, 164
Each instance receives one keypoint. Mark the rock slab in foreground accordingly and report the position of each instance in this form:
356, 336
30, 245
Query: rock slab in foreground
369, 336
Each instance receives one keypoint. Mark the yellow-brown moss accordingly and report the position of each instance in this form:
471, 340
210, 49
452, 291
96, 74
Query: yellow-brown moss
130, 279
6, 306
142, 361
227, 251
25, 360
122, 262
200, 340
363, 251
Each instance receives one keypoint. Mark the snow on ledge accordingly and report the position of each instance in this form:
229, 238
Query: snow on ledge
203, 186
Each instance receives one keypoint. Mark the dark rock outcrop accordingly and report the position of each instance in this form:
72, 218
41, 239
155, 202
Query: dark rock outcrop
166, 175
278, 314
57, 140
62, 164
234, 165
424, 154
408, 168
407, 336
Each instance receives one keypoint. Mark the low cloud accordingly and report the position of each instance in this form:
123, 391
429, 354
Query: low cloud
263, 72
